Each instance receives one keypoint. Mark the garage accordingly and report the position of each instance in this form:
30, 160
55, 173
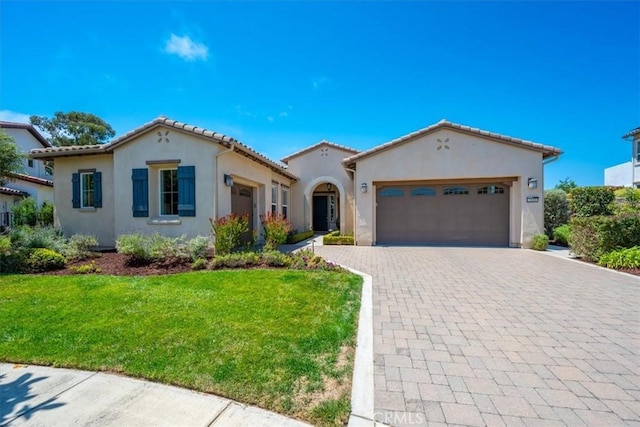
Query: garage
447, 213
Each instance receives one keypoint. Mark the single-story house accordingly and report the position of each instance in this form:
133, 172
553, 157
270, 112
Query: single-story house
444, 184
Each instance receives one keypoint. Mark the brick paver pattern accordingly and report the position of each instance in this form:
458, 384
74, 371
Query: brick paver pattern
485, 336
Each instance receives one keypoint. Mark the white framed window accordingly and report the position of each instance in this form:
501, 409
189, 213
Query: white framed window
87, 190
285, 202
168, 192
274, 197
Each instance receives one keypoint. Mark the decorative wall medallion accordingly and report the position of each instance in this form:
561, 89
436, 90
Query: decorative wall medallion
163, 137
444, 143
324, 152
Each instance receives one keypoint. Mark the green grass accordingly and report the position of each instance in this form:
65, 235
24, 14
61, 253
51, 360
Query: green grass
279, 339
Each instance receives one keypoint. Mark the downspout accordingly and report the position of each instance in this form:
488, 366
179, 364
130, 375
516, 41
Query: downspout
215, 193
355, 188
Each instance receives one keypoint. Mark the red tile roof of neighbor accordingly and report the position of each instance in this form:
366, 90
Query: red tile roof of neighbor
631, 133
227, 141
547, 150
13, 192
37, 135
33, 179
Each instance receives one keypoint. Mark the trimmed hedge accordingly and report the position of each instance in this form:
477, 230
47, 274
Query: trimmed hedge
562, 235
540, 242
592, 201
335, 238
592, 237
299, 237
622, 258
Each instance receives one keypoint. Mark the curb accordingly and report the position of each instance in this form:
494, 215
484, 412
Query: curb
599, 267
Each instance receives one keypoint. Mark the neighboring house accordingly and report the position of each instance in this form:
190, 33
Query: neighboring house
626, 174
35, 180
444, 184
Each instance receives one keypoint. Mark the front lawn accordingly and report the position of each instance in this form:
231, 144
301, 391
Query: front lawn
280, 339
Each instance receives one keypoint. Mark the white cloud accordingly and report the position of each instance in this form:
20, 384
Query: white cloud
186, 48
284, 114
319, 82
271, 119
12, 116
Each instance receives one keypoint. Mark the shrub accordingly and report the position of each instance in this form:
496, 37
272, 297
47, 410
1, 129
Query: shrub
24, 212
305, 259
199, 264
276, 229
38, 237
299, 237
556, 210
79, 246
45, 214
562, 235
335, 238
15, 261
42, 259
591, 237
235, 260
227, 232
5, 245
196, 248
622, 258
144, 249
592, 201
540, 242
90, 268
276, 259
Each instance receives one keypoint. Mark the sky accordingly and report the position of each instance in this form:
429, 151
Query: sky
280, 76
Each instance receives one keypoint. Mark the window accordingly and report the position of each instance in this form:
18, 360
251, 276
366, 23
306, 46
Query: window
30, 163
168, 192
491, 189
637, 151
455, 191
274, 198
285, 202
423, 191
87, 189
391, 192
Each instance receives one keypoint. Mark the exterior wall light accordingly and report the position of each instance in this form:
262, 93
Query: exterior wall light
532, 183
329, 186
228, 180
363, 187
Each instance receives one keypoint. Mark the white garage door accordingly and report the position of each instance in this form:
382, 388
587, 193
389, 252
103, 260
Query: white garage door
466, 214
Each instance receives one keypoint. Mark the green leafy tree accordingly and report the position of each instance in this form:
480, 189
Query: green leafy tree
556, 210
74, 128
566, 185
10, 158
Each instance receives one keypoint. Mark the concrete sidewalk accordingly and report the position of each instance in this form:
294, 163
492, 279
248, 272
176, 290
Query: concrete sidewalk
36, 395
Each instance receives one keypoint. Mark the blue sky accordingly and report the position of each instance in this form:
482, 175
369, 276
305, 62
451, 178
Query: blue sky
280, 76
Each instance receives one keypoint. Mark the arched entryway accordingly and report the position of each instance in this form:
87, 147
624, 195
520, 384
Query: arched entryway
325, 204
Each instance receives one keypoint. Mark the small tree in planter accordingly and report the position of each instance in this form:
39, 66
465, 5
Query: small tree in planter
276, 230
227, 232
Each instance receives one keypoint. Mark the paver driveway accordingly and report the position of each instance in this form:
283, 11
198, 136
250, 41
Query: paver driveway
482, 336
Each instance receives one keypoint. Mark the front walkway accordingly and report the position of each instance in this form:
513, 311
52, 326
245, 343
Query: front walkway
478, 336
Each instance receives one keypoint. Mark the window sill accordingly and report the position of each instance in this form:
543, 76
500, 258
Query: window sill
87, 209
172, 220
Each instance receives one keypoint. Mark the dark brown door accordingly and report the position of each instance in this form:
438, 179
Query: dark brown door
242, 204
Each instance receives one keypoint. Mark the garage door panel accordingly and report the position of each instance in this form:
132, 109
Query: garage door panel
476, 214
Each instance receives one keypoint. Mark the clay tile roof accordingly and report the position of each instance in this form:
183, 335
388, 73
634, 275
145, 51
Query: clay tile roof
37, 135
547, 150
220, 138
319, 144
632, 133
13, 192
33, 179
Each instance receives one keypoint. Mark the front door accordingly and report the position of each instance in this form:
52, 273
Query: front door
321, 213
242, 204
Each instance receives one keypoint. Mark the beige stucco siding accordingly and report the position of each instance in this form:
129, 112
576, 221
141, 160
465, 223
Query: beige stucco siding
151, 147
449, 155
319, 166
26, 142
98, 222
40, 193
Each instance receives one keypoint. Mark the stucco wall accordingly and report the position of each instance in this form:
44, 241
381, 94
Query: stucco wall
37, 191
26, 141
466, 157
619, 175
320, 167
98, 222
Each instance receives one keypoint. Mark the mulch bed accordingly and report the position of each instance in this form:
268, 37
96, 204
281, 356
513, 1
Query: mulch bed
116, 264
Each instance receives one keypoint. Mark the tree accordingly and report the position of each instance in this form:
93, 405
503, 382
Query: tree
10, 158
74, 128
566, 185
556, 210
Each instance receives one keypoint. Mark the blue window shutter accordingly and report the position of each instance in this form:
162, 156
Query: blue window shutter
75, 198
186, 190
97, 189
140, 179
